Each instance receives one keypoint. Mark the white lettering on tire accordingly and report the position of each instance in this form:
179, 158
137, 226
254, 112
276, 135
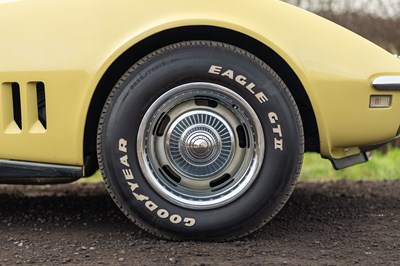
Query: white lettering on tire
175, 219
277, 130
162, 213
260, 96
149, 204
240, 79
189, 222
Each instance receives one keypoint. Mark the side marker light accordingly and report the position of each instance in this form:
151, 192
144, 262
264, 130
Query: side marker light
380, 101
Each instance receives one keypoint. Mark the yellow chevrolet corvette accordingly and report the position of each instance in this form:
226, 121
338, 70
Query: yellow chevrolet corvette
197, 113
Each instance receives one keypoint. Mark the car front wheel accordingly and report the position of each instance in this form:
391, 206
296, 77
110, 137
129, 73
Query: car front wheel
200, 140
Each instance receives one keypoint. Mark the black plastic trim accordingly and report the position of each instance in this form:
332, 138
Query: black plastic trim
345, 162
10, 169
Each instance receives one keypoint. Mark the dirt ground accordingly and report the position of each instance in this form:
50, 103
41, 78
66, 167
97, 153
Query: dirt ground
341, 223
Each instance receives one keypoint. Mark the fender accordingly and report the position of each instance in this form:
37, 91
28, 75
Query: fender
334, 65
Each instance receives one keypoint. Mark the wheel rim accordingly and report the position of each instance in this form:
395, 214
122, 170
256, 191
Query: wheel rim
200, 145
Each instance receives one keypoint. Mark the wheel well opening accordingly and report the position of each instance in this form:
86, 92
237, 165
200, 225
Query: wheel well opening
152, 43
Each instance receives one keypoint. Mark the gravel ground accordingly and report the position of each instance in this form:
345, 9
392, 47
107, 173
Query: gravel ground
340, 223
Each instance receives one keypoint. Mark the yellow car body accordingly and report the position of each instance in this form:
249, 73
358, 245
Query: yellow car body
77, 50
70, 45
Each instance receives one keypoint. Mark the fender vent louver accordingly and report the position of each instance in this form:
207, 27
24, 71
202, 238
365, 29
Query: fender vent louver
16, 102
10, 108
23, 107
41, 103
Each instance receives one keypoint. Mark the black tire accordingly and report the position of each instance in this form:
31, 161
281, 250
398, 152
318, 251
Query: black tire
200, 140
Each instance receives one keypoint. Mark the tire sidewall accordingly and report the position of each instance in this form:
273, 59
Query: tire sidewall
181, 64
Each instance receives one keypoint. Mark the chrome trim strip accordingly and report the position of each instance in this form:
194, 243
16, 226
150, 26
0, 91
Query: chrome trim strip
387, 83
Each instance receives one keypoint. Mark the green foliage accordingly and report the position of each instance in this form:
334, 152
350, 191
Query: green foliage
94, 178
380, 167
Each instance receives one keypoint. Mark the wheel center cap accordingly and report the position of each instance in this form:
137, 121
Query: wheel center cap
200, 145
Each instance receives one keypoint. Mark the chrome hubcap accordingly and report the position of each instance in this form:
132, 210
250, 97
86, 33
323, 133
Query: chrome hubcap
200, 145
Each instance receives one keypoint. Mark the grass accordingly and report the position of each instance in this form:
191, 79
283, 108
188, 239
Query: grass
94, 178
381, 167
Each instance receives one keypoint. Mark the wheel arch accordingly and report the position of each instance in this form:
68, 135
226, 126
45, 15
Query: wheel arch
158, 40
